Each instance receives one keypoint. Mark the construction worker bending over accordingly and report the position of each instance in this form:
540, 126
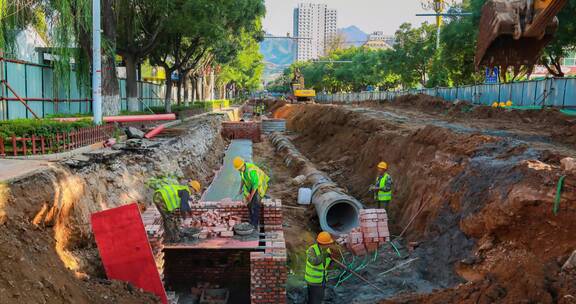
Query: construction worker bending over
171, 199
318, 259
383, 187
253, 186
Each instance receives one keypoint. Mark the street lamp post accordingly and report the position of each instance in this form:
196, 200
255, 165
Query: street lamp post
96, 64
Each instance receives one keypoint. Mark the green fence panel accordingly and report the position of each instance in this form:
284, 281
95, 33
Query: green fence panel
33, 78
15, 75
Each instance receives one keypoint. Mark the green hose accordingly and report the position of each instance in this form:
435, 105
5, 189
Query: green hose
395, 249
345, 275
558, 194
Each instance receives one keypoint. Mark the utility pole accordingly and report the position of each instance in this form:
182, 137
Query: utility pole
96, 64
438, 7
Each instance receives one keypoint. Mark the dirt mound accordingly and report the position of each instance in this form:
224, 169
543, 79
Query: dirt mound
49, 253
482, 205
33, 272
274, 105
560, 127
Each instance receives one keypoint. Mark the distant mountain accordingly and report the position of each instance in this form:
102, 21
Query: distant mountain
354, 35
278, 54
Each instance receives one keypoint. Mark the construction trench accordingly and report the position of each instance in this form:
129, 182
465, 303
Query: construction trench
472, 218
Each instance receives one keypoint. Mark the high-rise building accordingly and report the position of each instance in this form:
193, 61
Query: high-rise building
316, 22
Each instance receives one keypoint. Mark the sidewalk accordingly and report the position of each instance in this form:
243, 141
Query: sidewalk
11, 168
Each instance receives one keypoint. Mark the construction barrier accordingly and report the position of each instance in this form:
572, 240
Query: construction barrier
127, 256
550, 92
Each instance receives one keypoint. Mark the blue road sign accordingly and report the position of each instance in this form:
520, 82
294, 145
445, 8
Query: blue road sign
492, 75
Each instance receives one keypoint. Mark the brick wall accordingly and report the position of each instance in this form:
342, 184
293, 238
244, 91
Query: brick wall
272, 215
262, 273
242, 130
155, 231
223, 267
269, 271
237, 208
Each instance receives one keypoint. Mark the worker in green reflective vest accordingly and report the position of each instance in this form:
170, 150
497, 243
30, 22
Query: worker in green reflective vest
253, 186
383, 187
171, 199
318, 259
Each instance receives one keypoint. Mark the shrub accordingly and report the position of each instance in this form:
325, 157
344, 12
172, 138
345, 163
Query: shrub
39, 127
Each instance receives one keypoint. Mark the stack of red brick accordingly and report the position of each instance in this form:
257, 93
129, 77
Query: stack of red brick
153, 225
242, 130
214, 223
268, 271
372, 233
272, 214
235, 208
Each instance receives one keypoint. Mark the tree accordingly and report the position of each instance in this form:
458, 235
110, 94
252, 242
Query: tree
216, 28
244, 71
563, 43
413, 53
337, 42
140, 23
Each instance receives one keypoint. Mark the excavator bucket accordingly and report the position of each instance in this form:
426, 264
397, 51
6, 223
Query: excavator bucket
503, 39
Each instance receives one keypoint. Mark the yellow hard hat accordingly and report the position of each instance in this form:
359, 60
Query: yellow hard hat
195, 185
509, 103
324, 238
495, 104
502, 104
383, 165
238, 162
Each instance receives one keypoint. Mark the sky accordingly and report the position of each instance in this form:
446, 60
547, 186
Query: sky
368, 15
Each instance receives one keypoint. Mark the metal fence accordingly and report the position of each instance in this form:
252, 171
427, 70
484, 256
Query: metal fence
59, 142
28, 88
553, 92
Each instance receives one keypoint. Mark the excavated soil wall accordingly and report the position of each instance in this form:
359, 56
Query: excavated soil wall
49, 254
482, 205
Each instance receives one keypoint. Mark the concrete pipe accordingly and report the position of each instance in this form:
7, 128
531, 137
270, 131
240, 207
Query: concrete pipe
337, 211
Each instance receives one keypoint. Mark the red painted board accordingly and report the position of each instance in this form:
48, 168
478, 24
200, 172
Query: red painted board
125, 250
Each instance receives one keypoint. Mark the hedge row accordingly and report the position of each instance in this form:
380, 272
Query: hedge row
38, 127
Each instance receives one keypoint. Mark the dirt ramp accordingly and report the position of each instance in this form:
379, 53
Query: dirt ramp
482, 205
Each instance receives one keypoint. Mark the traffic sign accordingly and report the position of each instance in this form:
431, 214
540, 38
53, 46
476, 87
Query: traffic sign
492, 75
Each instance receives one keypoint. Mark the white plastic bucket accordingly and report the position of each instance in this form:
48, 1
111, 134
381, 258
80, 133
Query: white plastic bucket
304, 196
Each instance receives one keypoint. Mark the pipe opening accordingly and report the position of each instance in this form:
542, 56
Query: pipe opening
342, 217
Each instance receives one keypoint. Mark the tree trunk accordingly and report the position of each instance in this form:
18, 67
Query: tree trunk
200, 87
168, 97
110, 86
193, 88
553, 66
131, 82
211, 85
179, 90
186, 91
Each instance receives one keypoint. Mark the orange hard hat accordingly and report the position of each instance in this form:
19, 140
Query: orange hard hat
324, 238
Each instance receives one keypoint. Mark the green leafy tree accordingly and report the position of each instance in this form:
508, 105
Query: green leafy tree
564, 41
214, 30
244, 72
139, 24
413, 53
